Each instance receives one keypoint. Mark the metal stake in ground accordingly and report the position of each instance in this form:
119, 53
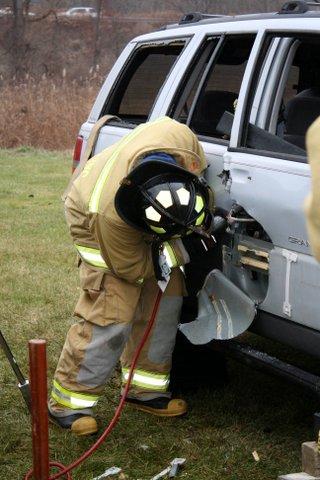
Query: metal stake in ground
39, 409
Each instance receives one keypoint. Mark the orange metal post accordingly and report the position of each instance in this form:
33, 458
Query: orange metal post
39, 409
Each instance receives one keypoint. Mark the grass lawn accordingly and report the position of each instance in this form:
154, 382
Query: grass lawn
38, 289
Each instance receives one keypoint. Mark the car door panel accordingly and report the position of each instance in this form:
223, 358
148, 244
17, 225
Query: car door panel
272, 191
294, 287
215, 158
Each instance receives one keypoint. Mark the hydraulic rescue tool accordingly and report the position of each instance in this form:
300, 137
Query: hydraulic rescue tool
23, 382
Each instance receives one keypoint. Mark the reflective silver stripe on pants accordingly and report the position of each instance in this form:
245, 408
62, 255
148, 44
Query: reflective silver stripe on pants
70, 399
147, 380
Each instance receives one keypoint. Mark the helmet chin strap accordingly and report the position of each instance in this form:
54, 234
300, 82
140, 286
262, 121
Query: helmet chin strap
200, 231
205, 233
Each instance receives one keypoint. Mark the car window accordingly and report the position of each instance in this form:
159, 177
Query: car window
215, 88
142, 79
294, 99
184, 97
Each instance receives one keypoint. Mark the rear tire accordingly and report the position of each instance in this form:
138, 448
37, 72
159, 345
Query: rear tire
316, 424
195, 367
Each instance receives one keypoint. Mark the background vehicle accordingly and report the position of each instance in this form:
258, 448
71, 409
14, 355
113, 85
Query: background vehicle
78, 11
249, 86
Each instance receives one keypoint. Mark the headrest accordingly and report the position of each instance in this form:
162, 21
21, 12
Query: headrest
300, 112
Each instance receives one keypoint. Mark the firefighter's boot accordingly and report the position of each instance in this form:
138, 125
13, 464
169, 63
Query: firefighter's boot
79, 423
160, 406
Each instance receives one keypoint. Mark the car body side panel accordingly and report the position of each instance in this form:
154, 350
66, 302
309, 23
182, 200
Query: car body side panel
293, 289
214, 155
272, 191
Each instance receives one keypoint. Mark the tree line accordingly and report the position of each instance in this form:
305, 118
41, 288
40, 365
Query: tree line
35, 37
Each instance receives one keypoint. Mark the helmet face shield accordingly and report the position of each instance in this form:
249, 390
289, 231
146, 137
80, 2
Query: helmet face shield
164, 200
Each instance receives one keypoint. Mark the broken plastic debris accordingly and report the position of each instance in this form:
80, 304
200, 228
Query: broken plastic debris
256, 456
144, 447
108, 473
173, 468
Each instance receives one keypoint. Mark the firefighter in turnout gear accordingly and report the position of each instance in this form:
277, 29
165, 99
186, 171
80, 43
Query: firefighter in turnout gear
135, 214
313, 201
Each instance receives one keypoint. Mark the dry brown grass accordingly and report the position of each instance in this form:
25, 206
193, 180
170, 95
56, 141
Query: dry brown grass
45, 113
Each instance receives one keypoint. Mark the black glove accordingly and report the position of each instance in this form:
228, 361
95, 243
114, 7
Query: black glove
196, 245
219, 224
216, 222
221, 212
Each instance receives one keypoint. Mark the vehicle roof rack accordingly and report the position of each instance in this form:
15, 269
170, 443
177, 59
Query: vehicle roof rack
290, 8
194, 17
297, 7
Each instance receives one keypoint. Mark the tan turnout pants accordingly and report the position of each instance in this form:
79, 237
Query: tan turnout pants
113, 317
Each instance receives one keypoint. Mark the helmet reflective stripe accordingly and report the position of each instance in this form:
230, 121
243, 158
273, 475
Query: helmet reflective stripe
152, 214
199, 204
164, 198
157, 229
73, 400
103, 177
91, 256
200, 219
184, 196
148, 380
170, 255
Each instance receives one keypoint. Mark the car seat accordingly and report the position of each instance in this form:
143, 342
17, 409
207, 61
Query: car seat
299, 113
209, 110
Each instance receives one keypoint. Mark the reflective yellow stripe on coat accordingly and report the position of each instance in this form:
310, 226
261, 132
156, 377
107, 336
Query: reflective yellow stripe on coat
91, 256
147, 380
170, 255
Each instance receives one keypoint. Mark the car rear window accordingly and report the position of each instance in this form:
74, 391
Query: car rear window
141, 81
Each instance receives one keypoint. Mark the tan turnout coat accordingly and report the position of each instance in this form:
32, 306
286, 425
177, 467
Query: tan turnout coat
94, 222
313, 201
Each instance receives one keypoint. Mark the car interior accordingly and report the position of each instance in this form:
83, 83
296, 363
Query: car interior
304, 106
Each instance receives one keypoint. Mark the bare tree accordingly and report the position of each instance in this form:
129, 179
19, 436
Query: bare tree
17, 47
204, 6
227, 7
15, 43
96, 52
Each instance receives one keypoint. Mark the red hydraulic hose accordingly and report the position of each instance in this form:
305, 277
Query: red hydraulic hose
114, 421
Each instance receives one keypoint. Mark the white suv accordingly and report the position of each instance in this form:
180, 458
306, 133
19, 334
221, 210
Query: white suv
80, 11
249, 86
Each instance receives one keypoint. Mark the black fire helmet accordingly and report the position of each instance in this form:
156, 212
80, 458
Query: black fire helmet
164, 200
